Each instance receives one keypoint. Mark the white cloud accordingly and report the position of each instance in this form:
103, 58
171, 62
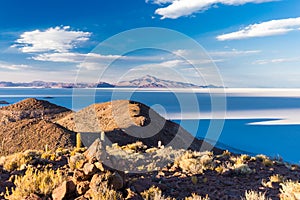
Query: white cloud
75, 57
91, 66
13, 67
160, 2
221, 55
161, 65
233, 52
179, 8
171, 63
57, 39
276, 60
269, 28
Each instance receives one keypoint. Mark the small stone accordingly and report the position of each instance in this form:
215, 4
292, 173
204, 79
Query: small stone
96, 181
132, 195
82, 187
161, 173
89, 194
261, 188
116, 181
89, 169
99, 166
66, 188
60, 192
80, 176
177, 174
183, 176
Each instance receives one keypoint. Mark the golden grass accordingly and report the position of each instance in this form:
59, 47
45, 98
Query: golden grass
35, 182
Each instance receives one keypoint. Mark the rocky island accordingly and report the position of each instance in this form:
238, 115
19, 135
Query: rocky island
3, 102
51, 152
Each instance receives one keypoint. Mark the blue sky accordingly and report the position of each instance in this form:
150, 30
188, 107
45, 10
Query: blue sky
254, 43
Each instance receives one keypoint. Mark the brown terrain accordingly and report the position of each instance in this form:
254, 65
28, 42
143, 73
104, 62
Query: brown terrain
31, 109
126, 122
142, 156
29, 124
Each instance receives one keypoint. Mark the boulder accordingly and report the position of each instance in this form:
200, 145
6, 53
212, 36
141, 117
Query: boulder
89, 169
94, 151
64, 191
82, 187
116, 181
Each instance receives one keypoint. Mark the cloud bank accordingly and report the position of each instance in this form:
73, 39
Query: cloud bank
14, 67
277, 61
179, 8
75, 57
268, 28
57, 39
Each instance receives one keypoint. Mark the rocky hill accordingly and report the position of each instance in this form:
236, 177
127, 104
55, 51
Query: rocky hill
29, 124
126, 122
32, 109
34, 123
34, 134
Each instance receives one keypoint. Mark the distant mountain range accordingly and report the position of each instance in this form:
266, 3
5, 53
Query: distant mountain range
143, 82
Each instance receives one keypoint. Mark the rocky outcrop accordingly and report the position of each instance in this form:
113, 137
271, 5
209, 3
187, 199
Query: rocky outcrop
29, 124
34, 134
126, 122
189, 175
32, 109
3, 102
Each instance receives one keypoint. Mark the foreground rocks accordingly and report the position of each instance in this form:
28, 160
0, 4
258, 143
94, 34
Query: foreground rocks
176, 174
139, 155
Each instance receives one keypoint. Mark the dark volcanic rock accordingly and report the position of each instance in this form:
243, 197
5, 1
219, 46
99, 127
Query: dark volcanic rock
4, 102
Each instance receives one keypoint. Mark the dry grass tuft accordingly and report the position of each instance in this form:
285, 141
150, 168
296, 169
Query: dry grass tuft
253, 195
195, 162
35, 182
20, 160
290, 190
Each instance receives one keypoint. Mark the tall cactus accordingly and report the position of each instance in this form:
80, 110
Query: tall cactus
78, 140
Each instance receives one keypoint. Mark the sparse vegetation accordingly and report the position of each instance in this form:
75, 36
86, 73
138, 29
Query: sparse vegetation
253, 195
197, 197
195, 162
35, 182
290, 190
194, 169
153, 193
20, 160
104, 192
